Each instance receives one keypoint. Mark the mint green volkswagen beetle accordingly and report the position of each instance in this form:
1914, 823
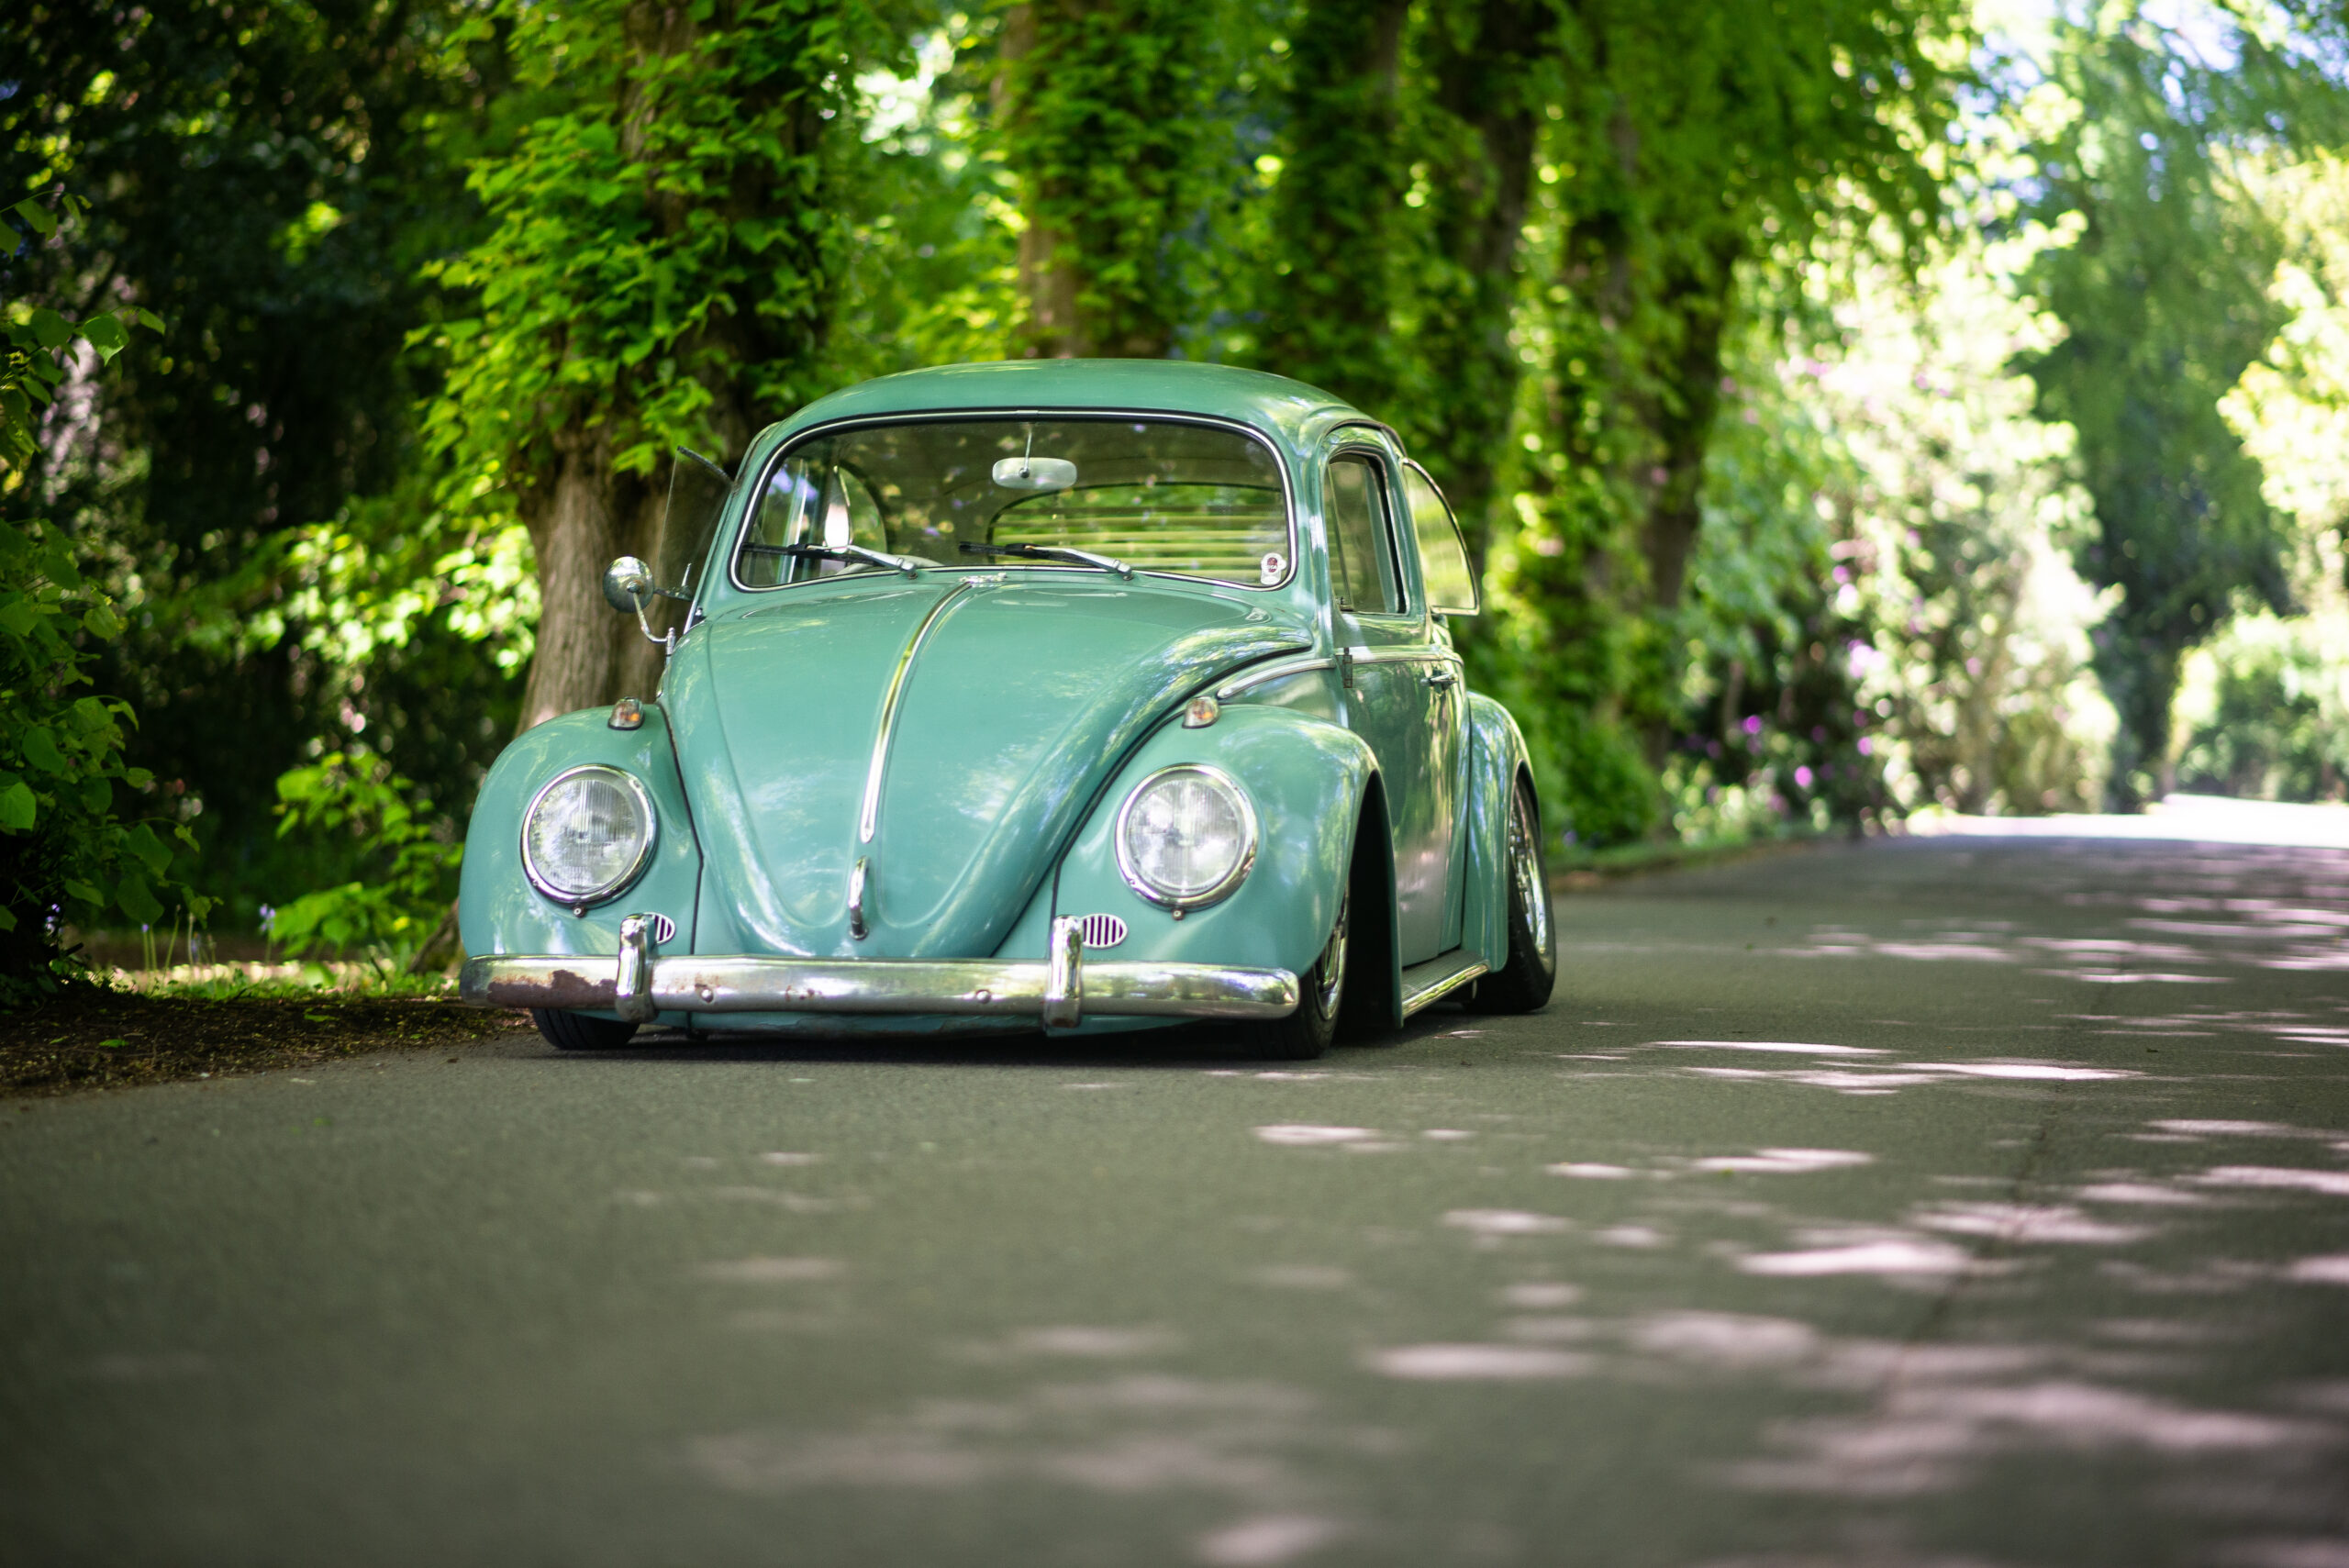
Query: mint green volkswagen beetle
1081, 694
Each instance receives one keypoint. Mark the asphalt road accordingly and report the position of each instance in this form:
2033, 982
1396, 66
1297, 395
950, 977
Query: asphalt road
1948, 1202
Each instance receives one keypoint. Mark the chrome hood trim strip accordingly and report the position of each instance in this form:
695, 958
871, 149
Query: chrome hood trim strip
876, 772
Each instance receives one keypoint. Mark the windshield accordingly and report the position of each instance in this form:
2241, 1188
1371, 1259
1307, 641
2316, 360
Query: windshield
1149, 494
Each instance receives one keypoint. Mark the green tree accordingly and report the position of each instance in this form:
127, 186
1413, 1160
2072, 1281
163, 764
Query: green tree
2165, 296
1329, 300
1699, 157
1106, 114
665, 255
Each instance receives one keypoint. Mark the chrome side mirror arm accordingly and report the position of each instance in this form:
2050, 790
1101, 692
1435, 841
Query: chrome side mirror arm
628, 587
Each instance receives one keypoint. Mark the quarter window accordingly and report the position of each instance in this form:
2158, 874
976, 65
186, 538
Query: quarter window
1443, 554
1362, 562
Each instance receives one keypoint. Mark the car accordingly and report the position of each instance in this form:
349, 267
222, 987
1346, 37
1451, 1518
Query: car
1079, 695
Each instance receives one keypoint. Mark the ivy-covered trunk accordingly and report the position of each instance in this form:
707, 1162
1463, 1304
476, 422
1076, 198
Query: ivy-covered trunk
1106, 114
1337, 239
1488, 60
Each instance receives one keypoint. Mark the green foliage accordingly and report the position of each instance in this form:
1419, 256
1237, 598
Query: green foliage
665, 248
933, 269
1336, 263
1690, 161
2165, 296
2268, 717
411, 866
40, 341
1975, 667
64, 855
274, 174
1774, 645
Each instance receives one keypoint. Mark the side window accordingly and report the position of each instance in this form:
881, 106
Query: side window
1362, 566
1443, 554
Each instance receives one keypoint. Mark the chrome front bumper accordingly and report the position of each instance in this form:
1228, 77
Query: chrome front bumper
1059, 992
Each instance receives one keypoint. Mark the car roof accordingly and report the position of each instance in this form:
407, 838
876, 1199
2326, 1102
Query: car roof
1290, 410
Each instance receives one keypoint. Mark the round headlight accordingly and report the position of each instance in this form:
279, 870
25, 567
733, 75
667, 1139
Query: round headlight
1185, 837
587, 835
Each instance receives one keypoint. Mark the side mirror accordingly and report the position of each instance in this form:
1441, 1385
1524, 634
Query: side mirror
628, 585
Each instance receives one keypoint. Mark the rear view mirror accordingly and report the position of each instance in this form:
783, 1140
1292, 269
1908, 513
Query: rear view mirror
628, 583
1038, 473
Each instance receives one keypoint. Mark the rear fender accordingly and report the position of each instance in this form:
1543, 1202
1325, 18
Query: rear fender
1498, 758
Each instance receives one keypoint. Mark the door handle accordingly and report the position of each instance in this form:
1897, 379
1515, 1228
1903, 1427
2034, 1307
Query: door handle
1441, 678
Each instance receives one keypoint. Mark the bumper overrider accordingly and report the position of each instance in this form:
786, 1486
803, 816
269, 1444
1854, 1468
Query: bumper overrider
1059, 992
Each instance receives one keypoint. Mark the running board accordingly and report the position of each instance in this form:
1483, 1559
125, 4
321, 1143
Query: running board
1424, 985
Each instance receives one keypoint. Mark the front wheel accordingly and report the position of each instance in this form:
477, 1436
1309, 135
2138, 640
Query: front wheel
1306, 1033
1522, 983
577, 1031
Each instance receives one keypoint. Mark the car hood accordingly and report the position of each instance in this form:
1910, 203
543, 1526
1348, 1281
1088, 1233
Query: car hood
1013, 701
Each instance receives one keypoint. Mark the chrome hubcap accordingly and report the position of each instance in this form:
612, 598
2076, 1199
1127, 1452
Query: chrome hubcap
1332, 963
1525, 865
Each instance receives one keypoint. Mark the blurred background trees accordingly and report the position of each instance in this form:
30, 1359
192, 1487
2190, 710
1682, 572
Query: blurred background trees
1857, 407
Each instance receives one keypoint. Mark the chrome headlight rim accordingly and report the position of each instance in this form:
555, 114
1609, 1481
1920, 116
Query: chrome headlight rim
1230, 884
580, 903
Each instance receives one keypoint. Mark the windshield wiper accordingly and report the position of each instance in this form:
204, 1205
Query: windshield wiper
1054, 553
904, 563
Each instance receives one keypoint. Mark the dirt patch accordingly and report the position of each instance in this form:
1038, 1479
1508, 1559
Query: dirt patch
87, 1038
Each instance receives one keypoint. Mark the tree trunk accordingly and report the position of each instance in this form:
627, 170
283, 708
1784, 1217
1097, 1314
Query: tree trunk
1047, 281
2139, 673
1104, 115
1681, 415
574, 536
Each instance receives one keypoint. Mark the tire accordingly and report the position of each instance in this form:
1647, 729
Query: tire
1307, 1033
1523, 985
577, 1031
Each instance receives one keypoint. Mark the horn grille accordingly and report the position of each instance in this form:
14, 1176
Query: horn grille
1103, 931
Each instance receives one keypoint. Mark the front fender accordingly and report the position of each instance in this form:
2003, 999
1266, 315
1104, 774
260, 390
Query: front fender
497, 910
1306, 778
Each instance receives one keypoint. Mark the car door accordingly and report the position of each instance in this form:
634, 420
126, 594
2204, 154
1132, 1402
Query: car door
1401, 686
1447, 585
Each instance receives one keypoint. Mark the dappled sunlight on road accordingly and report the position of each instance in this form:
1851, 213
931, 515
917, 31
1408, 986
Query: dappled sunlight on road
1894, 1206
